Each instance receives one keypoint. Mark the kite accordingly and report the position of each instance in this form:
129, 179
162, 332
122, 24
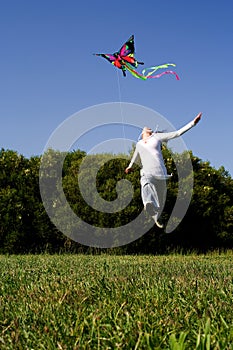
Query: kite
124, 59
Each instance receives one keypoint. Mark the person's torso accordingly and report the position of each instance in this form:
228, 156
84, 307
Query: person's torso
151, 156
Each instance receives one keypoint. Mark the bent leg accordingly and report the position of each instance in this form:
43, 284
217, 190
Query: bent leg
153, 193
149, 192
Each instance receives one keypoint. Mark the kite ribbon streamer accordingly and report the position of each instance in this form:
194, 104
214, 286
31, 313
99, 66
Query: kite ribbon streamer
152, 70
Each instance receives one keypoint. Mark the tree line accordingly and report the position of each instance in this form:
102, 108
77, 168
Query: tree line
25, 226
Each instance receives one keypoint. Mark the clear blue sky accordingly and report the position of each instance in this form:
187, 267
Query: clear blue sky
48, 72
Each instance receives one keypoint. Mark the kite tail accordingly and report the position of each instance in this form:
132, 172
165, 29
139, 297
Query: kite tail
152, 70
134, 72
166, 72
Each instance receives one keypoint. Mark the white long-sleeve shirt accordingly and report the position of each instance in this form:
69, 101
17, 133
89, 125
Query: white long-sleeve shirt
150, 154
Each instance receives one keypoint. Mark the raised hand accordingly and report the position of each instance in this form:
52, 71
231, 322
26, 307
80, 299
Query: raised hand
198, 118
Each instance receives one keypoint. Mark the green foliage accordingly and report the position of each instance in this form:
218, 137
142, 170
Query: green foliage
101, 172
210, 212
25, 226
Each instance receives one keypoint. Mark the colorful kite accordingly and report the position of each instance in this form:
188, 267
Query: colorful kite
124, 59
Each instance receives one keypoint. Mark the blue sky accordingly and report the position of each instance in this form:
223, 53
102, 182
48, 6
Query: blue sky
48, 72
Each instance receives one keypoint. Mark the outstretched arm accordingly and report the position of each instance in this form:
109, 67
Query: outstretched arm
135, 156
171, 135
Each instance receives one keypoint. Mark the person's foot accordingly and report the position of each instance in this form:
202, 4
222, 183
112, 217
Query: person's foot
156, 221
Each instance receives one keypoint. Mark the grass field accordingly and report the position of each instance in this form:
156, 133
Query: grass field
116, 302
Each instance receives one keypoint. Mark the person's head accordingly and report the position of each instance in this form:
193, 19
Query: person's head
146, 132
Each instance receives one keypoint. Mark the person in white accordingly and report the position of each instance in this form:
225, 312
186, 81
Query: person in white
153, 169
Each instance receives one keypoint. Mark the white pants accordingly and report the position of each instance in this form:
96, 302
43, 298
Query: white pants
153, 190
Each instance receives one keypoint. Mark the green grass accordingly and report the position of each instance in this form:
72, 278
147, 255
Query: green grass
116, 302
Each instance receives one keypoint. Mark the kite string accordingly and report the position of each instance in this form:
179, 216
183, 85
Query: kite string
121, 110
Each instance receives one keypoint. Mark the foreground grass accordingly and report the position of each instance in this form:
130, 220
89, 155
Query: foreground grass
116, 302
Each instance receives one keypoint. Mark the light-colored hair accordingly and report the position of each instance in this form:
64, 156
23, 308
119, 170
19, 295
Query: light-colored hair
146, 129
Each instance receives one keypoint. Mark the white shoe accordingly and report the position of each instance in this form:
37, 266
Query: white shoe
156, 221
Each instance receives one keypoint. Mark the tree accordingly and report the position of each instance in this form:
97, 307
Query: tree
93, 183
